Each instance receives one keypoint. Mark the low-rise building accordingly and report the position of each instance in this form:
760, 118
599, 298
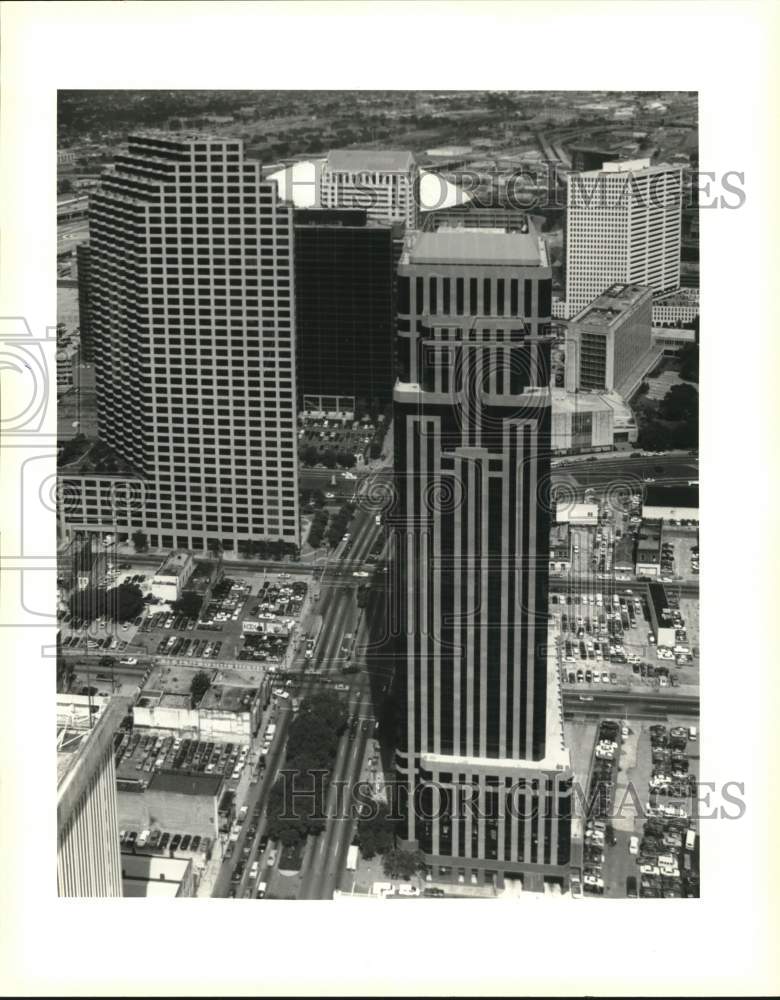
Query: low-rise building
560, 548
182, 802
577, 513
679, 308
151, 875
171, 578
581, 422
671, 503
624, 560
648, 549
661, 620
225, 713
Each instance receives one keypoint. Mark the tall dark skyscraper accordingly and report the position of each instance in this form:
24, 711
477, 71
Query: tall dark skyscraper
84, 281
345, 310
481, 753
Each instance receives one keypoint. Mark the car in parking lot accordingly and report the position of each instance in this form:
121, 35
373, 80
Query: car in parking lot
271, 859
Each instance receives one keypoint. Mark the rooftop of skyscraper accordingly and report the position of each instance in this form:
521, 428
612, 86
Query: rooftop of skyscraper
477, 237
356, 160
77, 720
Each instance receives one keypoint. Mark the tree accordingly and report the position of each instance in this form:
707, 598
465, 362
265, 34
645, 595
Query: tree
680, 403
376, 833
140, 541
398, 863
189, 604
201, 682
689, 363
308, 455
328, 459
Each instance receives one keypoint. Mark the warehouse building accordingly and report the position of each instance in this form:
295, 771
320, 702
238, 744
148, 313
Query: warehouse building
671, 503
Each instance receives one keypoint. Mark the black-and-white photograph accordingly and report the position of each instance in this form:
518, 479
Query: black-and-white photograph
378, 493
357, 491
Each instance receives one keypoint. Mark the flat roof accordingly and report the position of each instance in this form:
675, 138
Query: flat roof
608, 308
174, 564
227, 698
658, 495
154, 866
185, 784
356, 160
77, 719
462, 244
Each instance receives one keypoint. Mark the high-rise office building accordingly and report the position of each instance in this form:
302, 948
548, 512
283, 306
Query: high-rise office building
192, 320
384, 182
481, 754
344, 308
623, 224
88, 858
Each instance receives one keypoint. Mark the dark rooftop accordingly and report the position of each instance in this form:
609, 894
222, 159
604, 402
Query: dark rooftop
671, 496
186, 784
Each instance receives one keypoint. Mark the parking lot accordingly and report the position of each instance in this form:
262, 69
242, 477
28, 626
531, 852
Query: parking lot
138, 755
270, 603
316, 437
610, 642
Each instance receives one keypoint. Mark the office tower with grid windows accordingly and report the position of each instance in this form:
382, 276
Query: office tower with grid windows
610, 341
623, 225
384, 182
192, 322
484, 774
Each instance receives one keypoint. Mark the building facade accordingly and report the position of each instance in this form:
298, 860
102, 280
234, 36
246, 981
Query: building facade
88, 860
345, 307
481, 758
608, 338
623, 225
191, 300
83, 277
383, 182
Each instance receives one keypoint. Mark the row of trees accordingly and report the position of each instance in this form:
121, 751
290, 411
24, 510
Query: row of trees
317, 530
310, 455
312, 744
671, 424
274, 549
189, 604
338, 524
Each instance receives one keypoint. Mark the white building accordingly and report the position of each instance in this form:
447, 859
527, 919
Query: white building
171, 578
192, 319
581, 422
623, 225
608, 339
680, 308
577, 513
88, 862
384, 182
